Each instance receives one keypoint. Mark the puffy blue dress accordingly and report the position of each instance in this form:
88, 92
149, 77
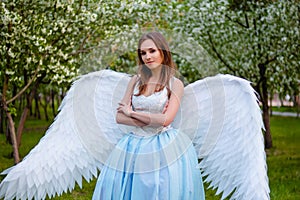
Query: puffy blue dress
151, 163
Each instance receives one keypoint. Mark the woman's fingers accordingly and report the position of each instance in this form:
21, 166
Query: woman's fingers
121, 105
124, 108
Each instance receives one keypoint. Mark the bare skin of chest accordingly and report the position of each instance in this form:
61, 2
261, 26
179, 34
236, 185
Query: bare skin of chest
152, 87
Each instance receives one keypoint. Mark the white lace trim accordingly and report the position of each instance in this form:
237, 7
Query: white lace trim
149, 131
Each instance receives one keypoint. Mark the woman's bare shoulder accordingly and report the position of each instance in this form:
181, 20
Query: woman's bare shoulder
134, 79
177, 83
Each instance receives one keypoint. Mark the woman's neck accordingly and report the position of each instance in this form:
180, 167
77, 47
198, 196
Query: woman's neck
155, 74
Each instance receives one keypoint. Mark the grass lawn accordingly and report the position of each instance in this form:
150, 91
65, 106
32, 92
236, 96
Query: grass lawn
285, 109
283, 159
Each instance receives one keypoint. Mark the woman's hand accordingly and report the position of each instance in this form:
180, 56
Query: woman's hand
126, 109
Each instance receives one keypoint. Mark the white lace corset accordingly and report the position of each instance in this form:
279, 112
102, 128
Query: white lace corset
154, 103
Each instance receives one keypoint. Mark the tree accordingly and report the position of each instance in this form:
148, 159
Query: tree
44, 42
39, 41
256, 40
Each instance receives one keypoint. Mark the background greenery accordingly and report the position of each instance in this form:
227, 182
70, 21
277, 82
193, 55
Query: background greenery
283, 159
44, 45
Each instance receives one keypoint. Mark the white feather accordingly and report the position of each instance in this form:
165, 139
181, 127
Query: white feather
75, 145
226, 131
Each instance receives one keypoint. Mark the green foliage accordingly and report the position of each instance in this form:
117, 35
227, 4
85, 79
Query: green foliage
53, 37
12, 110
40, 36
245, 35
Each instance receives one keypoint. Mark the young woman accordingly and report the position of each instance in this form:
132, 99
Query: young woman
154, 161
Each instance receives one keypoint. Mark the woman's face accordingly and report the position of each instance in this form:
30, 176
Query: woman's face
151, 55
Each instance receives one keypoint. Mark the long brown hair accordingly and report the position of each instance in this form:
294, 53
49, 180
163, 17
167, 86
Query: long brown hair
168, 66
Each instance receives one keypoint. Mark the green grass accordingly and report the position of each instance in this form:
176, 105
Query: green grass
283, 159
34, 130
285, 109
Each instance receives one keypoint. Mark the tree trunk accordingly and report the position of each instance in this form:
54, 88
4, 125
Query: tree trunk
281, 102
266, 119
21, 125
46, 101
266, 116
53, 102
11, 126
28, 104
7, 134
13, 136
1, 121
37, 112
25, 114
271, 100
298, 104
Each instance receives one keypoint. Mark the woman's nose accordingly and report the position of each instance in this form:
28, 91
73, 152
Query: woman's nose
147, 56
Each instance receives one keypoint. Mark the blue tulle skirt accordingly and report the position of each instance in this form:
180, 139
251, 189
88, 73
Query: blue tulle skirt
158, 167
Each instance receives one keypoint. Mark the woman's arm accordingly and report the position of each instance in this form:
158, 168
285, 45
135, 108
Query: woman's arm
121, 118
160, 119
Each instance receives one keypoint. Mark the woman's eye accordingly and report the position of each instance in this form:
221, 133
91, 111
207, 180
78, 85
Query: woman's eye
152, 51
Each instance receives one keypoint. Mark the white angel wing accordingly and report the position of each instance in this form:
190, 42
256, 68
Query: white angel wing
75, 145
222, 117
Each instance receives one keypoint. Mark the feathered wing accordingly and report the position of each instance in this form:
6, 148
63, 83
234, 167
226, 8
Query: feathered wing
77, 143
222, 117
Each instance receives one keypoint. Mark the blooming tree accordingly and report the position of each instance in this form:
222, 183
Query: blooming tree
44, 41
53, 41
256, 40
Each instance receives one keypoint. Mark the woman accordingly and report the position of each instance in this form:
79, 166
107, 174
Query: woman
154, 161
